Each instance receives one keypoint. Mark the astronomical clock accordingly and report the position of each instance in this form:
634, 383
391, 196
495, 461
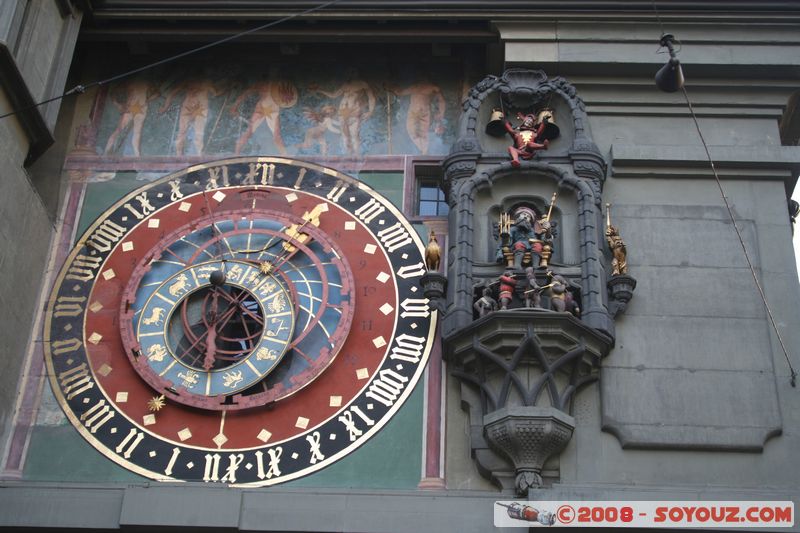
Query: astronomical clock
247, 321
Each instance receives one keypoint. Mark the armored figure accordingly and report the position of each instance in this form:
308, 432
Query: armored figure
619, 263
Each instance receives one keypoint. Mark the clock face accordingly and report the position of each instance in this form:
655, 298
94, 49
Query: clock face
247, 321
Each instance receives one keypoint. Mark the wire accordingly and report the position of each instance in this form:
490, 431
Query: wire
741, 240
658, 17
79, 89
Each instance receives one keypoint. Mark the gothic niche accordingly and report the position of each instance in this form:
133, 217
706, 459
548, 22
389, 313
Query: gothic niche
529, 311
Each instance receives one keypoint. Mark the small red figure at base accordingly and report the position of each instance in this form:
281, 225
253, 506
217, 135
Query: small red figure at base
507, 285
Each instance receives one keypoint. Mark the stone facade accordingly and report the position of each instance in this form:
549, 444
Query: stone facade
670, 385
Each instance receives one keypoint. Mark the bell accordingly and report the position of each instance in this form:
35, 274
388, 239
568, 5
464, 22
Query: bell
497, 124
669, 78
550, 131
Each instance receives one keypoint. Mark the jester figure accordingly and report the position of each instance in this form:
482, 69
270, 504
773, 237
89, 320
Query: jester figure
525, 138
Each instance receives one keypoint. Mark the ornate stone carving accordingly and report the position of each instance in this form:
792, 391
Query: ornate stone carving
525, 357
620, 292
525, 366
528, 436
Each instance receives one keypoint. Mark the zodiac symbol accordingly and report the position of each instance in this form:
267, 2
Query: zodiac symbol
155, 317
235, 272
281, 327
263, 354
278, 303
231, 379
179, 286
266, 288
251, 279
205, 271
190, 378
156, 353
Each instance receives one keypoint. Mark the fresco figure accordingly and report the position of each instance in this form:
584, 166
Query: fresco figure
273, 94
323, 122
426, 108
133, 111
193, 111
356, 105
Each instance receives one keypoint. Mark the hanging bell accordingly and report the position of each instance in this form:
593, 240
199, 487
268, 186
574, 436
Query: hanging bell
669, 78
497, 124
550, 131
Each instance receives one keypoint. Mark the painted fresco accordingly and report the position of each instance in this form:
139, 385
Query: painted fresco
315, 110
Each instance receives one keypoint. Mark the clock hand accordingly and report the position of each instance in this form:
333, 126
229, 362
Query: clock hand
293, 232
211, 337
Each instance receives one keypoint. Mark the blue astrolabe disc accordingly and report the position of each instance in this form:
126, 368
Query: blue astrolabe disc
183, 358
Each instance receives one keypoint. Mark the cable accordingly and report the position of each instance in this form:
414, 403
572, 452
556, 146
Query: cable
78, 89
741, 240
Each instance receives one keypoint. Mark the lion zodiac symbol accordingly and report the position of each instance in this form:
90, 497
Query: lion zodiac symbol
155, 317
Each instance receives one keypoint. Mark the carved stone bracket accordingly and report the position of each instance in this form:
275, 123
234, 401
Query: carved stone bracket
528, 436
434, 287
620, 292
519, 371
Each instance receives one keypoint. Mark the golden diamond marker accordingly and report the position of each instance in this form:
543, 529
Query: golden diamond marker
362, 373
184, 434
302, 422
264, 435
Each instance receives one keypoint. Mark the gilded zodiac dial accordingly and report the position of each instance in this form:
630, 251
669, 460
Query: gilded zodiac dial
247, 321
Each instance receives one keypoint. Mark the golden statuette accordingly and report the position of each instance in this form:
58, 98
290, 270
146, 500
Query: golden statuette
619, 264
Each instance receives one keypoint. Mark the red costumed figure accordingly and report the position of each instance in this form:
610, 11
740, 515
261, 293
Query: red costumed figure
507, 284
525, 136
